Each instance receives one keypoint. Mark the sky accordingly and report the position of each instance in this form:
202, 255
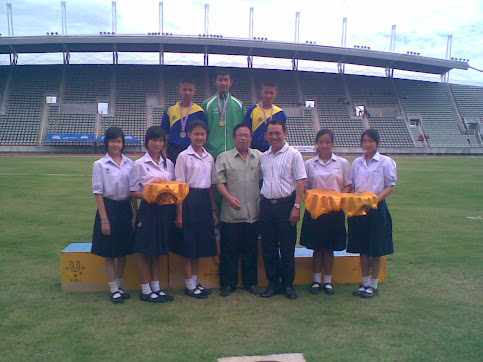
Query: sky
421, 26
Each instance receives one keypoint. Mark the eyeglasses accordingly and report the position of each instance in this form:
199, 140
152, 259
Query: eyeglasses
241, 135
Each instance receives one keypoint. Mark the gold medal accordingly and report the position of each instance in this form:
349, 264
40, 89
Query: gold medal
182, 134
222, 123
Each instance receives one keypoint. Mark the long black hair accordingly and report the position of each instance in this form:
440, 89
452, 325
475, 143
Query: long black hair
372, 133
111, 134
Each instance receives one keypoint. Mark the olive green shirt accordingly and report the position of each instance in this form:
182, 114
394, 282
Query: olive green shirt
242, 180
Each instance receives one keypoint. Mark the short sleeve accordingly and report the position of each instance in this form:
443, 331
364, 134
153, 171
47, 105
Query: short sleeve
165, 122
299, 167
390, 172
248, 118
180, 168
219, 171
308, 182
346, 173
97, 179
135, 178
171, 170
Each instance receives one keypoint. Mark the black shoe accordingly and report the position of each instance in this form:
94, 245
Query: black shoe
271, 291
195, 293
163, 295
116, 298
329, 289
226, 290
203, 289
360, 291
150, 297
290, 293
124, 295
253, 289
370, 292
315, 288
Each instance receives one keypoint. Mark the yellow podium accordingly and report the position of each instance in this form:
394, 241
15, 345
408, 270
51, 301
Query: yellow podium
85, 272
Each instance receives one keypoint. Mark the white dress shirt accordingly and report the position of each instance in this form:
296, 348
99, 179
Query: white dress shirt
111, 180
281, 171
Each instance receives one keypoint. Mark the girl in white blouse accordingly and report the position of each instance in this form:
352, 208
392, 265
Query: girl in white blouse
112, 236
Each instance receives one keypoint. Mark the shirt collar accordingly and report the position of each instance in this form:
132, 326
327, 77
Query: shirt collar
192, 151
148, 158
283, 149
331, 159
237, 153
108, 159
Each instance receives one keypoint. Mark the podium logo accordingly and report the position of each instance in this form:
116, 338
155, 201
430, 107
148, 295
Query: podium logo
76, 269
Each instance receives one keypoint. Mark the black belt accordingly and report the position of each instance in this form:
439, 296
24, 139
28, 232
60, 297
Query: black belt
281, 200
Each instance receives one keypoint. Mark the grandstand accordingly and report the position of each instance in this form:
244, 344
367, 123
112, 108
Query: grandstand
39, 101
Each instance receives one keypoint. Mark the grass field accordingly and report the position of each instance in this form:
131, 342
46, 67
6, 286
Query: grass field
429, 309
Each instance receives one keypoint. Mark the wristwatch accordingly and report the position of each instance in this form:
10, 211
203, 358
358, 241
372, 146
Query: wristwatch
297, 206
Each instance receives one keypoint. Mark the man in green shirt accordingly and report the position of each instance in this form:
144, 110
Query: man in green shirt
237, 178
224, 112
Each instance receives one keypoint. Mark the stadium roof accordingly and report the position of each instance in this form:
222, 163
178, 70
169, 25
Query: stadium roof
226, 46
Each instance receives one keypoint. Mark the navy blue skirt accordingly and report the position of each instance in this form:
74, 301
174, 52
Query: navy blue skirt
119, 243
197, 237
155, 229
326, 233
371, 234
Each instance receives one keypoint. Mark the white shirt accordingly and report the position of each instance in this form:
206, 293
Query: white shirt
281, 171
379, 174
331, 176
145, 170
111, 180
194, 169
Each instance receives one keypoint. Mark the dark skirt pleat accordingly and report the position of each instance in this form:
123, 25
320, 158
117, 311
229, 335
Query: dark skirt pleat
119, 243
327, 232
197, 237
371, 234
155, 229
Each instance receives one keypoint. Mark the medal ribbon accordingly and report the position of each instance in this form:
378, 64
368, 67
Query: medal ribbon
264, 116
222, 113
183, 119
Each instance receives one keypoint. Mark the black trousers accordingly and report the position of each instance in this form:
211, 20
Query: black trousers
239, 239
278, 240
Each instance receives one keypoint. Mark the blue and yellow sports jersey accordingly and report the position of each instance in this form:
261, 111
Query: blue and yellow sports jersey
254, 118
171, 122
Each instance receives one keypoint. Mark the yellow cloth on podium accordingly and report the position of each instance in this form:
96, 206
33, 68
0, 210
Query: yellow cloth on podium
166, 193
352, 204
318, 202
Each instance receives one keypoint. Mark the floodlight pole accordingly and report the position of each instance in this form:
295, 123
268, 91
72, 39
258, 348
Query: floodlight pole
114, 17
251, 20
64, 17
392, 45
449, 45
295, 62
10, 19
161, 17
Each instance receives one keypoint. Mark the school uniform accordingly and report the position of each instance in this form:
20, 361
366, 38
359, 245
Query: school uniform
371, 234
172, 123
112, 182
327, 232
197, 237
154, 229
257, 118
281, 171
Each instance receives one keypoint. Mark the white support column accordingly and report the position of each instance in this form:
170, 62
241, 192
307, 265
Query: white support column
10, 20
449, 45
343, 41
64, 17
297, 27
392, 45
207, 19
161, 17
114, 17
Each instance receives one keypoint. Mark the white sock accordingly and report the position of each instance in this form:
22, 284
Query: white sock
155, 286
195, 279
327, 279
119, 282
366, 281
146, 288
113, 286
374, 283
190, 284
317, 278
